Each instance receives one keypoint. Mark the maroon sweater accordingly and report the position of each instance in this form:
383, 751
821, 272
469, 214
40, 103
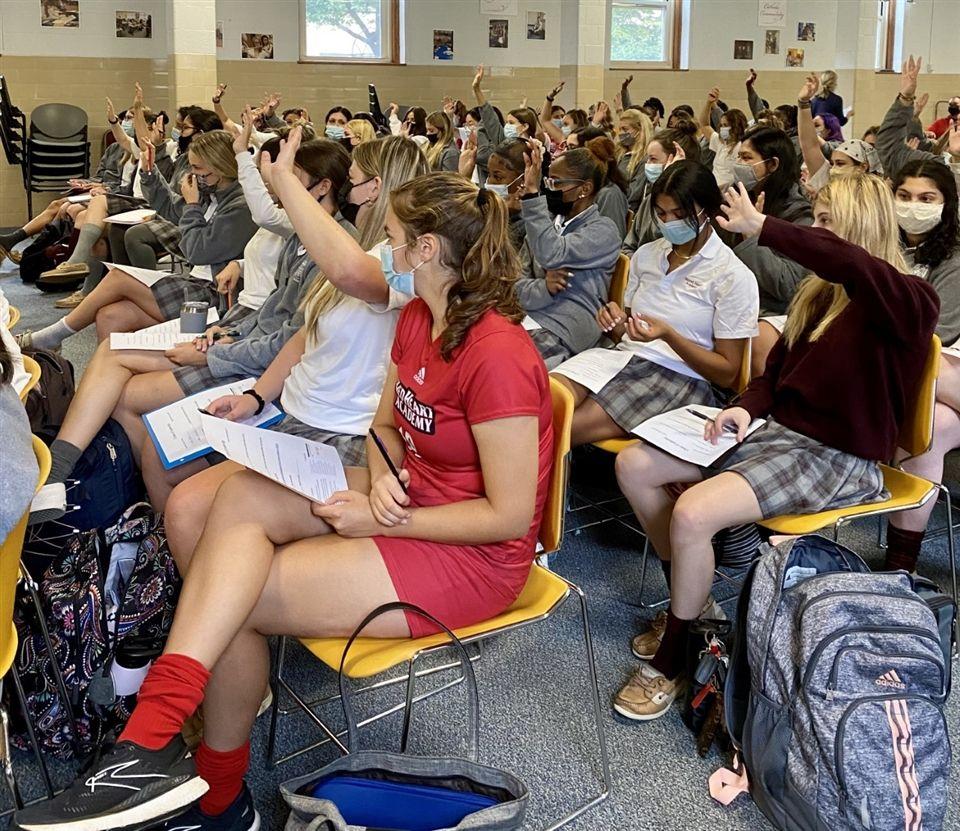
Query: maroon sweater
851, 388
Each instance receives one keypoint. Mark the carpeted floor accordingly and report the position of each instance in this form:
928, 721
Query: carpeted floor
535, 718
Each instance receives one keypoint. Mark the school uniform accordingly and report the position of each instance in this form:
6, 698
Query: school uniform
588, 245
712, 295
945, 278
644, 228
612, 203
724, 159
836, 406
449, 159
637, 183
891, 138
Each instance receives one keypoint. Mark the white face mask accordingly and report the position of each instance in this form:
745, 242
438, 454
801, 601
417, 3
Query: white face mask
918, 217
724, 134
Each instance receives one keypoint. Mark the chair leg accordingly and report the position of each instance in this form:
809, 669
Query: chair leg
8, 758
597, 717
275, 680
31, 733
643, 580
952, 550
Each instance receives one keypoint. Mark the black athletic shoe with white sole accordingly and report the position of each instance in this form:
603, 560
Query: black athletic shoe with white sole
240, 816
128, 788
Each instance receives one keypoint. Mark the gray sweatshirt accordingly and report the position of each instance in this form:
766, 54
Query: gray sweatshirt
588, 245
891, 141
489, 135
263, 335
19, 471
612, 203
643, 230
214, 242
945, 278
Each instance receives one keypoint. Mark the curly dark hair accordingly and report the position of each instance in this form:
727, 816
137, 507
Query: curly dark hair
473, 226
944, 238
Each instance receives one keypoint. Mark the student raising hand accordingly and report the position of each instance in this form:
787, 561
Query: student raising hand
242, 141
740, 215
284, 162
910, 76
533, 169
147, 156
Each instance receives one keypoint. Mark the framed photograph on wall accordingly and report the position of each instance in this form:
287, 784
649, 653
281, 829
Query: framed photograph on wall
794, 57
134, 25
443, 44
771, 42
536, 25
499, 34
807, 31
63, 14
219, 34
743, 50
256, 47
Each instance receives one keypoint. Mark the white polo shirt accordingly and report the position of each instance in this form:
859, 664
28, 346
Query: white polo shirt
712, 295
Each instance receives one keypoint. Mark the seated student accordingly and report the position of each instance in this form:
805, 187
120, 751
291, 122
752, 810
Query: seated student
634, 132
679, 113
767, 165
493, 130
125, 384
692, 308
612, 197
895, 129
568, 254
335, 122
19, 377
557, 126
359, 131
665, 148
724, 141
442, 152
295, 115
19, 472
862, 318
215, 225
505, 168
459, 542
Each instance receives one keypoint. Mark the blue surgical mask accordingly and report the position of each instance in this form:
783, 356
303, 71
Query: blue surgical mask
652, 171
558, 123
129, 129
334, 131
566, 129
724, 134
402, 282
678, 231
175, 134
510, 131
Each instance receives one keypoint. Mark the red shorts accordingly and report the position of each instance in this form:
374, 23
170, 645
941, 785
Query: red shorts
458, 584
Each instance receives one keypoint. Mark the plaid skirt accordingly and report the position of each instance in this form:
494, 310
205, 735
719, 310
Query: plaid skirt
793, 474
118, 203
551, 348
171, 292
643, 389
352, 449
194, 379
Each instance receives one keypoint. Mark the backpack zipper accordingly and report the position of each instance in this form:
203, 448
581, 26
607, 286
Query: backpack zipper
914, 656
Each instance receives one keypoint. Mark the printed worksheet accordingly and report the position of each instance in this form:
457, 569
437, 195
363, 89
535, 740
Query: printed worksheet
157, 338
595, 367
680, 433
147, 276
530, 324
134, 217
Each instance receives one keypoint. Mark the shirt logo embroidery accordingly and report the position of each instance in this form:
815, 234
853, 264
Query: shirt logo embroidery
418, 415
421, 375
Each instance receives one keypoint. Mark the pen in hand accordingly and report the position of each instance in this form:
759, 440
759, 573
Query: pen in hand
730, 428
230, 334
386, 458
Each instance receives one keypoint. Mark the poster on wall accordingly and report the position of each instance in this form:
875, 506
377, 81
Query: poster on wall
794, 57
806, 31
134, 25
771, 42
510, 8
256, 47
773, 14
443, 44
499, 34
219, 34
536, 25
743, 50
64, 14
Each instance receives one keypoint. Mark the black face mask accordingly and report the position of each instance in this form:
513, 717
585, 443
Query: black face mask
432, 138
556, 205
184, 142
349, 212
954, 110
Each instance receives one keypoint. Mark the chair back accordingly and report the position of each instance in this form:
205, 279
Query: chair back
743, 376
31, 366
13, 316
618, 283
551, 524
10, 550
58, 121
916, 432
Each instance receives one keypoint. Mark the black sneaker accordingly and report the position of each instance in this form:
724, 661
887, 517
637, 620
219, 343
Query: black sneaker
129, 787
240, 816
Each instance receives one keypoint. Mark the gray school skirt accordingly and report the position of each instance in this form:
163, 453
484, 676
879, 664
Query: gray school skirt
793, 474
194, 379
551, 348
643, 389
352, 449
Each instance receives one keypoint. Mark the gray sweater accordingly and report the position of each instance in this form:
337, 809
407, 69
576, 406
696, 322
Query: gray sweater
945, 278
891, 141
19, 471
214, 242
589, 246
612, 203
643, 230
263, 334
489, 135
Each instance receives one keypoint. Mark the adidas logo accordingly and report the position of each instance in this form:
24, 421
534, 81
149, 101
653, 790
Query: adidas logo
890, 679
421, 375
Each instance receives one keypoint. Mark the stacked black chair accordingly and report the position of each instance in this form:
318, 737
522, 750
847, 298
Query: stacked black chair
57, 149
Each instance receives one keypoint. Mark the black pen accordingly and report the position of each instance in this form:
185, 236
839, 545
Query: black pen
231, 334
386, 458
730, 428
205, 412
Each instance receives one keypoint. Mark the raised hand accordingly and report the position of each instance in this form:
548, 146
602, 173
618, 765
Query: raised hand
286, 156
137, 96
713, 96
626, 82
147, 156
751, 77
678, 155
739, 214
242, 141
156, 131
270, 104
111, 112
221, 89
918, 105
557, 89
448, 105
953, 142
910, 76
810, 86
533, 169
478, 78
468, 155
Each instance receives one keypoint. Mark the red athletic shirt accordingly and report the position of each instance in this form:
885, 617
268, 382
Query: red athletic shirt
495, 373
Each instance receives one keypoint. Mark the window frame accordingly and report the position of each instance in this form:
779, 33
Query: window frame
890, 35
674, 35
390, 39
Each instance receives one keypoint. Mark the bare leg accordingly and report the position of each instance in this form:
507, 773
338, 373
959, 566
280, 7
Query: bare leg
948, 384
41, 220
760, 348
161, 482
591, 423
147, 390
122, 316
579, 391
116, 286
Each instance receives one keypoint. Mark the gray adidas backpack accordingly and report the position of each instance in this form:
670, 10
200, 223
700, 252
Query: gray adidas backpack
836, 690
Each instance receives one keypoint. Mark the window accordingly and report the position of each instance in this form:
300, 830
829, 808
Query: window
645, 33
890, 19
349, 30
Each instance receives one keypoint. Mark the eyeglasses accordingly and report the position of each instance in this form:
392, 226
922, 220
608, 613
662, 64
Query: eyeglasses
553, 183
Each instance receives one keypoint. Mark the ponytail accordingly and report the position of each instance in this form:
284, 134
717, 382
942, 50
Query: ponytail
605, 152
472, 226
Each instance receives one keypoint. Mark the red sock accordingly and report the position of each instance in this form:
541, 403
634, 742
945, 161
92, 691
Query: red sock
170, 694
223, 771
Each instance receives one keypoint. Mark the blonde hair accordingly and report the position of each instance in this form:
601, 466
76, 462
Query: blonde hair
828, 83
640, 121
395, 160
862, 212
216, 150
441, 121
362, 129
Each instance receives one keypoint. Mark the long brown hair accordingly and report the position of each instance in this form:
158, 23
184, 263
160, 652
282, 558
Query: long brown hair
472, 226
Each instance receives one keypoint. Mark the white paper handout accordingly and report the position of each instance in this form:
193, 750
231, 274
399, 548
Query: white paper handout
177, 430
530, 324
952, 351
680, 433
147, 276
595, 367
79, 198
306, 467
157, 338
134, 217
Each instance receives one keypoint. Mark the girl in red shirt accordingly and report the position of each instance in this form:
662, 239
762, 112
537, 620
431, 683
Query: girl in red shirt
465, 414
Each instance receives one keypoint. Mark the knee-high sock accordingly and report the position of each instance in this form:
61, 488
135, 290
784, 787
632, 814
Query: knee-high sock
223, 771
89, 234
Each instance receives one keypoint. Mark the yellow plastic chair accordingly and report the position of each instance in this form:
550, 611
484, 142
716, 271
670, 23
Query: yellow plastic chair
543, 594
31, 366
9, 576
618, 282
906, 490
13, 316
